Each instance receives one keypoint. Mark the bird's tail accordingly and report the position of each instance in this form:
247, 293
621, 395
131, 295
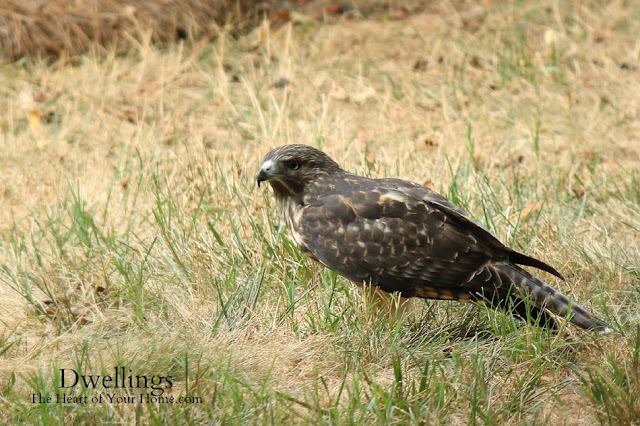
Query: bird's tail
543, 298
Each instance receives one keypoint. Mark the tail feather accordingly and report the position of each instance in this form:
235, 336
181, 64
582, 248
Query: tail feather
545, 297
509, 302
523, 259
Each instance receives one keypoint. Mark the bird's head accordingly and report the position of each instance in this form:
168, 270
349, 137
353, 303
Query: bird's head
290, 168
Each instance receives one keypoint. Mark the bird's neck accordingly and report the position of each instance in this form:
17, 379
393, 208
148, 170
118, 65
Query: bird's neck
286, 193
291, 209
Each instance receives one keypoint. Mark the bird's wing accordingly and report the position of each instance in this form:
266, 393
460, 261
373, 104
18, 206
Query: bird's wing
394, 240
418, 192
402, 237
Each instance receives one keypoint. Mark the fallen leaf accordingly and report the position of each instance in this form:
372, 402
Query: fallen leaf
602, 35
49, 116
370, 159
529, 209
281, 16
34, 119
426, 140
399, 13
513, 161
280, 83
420, 64
579, 191
476, 62
428, 184
339, 93
48, 307
260, 36
628, 67
337, 10
130, 114
332, 10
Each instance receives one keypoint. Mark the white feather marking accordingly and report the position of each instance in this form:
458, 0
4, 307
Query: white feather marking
394, 196
292, 213
267, 165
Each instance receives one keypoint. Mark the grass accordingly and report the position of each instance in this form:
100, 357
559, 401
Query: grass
132, 233
60, 27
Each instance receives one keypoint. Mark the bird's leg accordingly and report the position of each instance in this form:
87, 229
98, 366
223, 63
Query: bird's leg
377, 303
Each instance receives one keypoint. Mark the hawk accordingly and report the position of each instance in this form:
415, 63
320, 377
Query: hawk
403, 237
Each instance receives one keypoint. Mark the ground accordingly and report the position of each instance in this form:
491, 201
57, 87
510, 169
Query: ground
132, 233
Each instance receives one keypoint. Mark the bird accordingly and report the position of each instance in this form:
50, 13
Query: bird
405, 238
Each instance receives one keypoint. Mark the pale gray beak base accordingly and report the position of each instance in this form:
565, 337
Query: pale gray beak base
265, 172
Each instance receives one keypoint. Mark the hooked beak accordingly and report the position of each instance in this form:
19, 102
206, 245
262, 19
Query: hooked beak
262, 177
265, 173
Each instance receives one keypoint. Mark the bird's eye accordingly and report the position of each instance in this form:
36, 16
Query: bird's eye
292, 165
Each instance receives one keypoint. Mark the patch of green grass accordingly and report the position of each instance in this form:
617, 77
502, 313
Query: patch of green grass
133, 233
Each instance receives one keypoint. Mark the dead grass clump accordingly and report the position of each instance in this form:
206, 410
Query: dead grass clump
52, 27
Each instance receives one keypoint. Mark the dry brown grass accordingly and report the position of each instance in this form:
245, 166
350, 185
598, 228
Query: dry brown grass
51, 28
118, 174
69, 28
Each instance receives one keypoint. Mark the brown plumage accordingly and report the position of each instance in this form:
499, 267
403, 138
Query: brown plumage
405, 238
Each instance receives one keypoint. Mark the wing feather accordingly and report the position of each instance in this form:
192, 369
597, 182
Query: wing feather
399, 236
